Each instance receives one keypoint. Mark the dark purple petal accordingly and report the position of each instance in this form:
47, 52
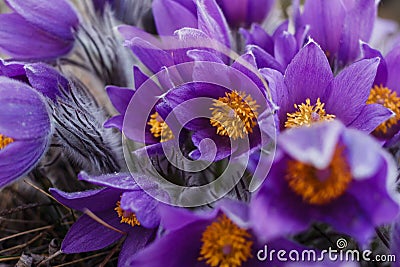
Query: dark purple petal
56, 17
166, 19
136, 240
120, 97
46, 79
370, 117
143, 205
23, 113
308, 75
114, 122
94, 200
264, 59
16, 32
185, 250
12, 69
139, 77
393, 65
88, 235
173, 218
379, 205
17, 158
258, 36
273, 198
382, 72
352, 86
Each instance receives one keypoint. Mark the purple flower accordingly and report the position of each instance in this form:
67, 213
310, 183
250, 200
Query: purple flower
25, 129
386, 90
125, 209
327, 173
338, 26
156, 129
224, 104
242, 13
38, 29
223, 237
308, 92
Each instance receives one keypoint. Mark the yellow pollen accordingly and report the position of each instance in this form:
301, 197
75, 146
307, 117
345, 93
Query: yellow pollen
234, 115
5, 141
319, 187
225, 244
307, 114
159, 128
126, 216
389, 99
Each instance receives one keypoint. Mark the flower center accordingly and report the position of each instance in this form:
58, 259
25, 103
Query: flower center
319, 187
159, 128
225, 244
5, 141
126, 216
389, 99
234, 115
307, 114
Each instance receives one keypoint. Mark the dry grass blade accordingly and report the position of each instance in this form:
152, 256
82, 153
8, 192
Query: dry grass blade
99, 220
82, 259
27, 232
21, 246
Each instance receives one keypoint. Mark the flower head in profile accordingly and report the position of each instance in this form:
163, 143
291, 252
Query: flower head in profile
321, 174
25, 129
386, 90
308, 92
120, 209
47, 26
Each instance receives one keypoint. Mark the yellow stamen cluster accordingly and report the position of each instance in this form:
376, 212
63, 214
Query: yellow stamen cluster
307, 114
225, 244
159, 128
5, 141
319, 187
126, 216
234, 115
389, 99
